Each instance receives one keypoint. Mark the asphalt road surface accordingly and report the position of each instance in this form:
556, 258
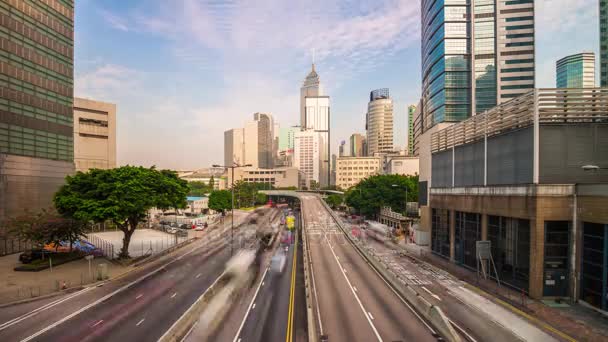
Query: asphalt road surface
354, 303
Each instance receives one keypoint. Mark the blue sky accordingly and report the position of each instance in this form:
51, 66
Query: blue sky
183, 71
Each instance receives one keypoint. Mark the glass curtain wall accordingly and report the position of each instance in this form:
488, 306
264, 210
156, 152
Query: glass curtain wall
485, 54
594, 273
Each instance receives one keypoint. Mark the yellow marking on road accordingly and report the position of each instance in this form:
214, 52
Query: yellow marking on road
289, 333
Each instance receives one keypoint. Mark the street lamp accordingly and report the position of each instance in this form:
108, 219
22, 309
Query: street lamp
232, 167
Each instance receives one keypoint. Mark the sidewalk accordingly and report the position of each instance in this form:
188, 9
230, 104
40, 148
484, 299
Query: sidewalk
577, 321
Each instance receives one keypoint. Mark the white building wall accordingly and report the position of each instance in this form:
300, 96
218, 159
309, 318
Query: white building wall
307, 157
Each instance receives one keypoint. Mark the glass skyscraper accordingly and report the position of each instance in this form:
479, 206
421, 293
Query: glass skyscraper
604, 43
576, 71
36, 100
475, 55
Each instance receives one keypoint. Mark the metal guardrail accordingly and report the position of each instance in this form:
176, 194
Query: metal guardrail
548, 106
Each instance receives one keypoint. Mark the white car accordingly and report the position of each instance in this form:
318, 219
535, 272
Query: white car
277, 263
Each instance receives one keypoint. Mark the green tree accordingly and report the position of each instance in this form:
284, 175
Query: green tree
374, 192
220, 200
47, 227
211, 183
334, 200
122, 195
199, 188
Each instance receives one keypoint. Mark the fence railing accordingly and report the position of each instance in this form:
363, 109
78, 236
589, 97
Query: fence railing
549, 106
105, 247
11, 246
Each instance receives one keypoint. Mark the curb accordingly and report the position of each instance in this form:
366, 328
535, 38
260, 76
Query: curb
48, 295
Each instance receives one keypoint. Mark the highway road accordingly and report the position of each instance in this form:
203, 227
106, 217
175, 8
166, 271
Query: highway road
141, 312
277, 310
354, 303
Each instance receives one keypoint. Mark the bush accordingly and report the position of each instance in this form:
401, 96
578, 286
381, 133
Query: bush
57, 259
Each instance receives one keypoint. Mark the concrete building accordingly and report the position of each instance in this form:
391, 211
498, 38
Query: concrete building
310, 88
253, 144
205, 176
603, 42
196, 206
401, 165
334, 165
317, 116
36, 114
357, 145
94, 135
342, 149
307, 156
351, 170
277, 177
286, 137
379, 122
479, 55
517, 176
411, 109
576, 71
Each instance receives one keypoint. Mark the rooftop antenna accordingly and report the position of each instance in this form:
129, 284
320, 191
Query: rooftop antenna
313, 59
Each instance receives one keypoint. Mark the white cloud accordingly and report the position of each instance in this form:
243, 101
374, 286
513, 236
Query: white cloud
106, 81
114, 21
555, 16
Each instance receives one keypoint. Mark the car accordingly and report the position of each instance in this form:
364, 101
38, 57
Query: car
199, 228
171, 230
277, 263
34, 254
184, 226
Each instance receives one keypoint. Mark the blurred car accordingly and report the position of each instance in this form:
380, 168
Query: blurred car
34, 254
185, 226
277, 263
171, 230
199, 228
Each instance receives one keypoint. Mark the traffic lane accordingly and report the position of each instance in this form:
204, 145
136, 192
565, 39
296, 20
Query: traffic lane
267, 320
143, 314
341, 318
393, 319
38, 314
50, 317
300, 316
121, 315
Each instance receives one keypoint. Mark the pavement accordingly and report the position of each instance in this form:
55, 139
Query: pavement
353, 302
124, 308
568, 323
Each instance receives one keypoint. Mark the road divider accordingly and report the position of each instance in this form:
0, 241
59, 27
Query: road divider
429, 312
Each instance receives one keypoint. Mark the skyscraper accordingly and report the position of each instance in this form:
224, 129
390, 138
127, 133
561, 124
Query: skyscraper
36, 118
286, 137
342, 149
604, 43
307, 157
411, 109
379, 122
479, 55
310, 87
234, 152
576, 71
252, 144
357, 143
265, 140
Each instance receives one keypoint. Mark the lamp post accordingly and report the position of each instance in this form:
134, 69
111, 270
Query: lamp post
232, 167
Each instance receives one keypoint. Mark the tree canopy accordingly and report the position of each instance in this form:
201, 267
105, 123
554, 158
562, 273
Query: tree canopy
220, 200
374, 192
334, 200
47, 227
122, 195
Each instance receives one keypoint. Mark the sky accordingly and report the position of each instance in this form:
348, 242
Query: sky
181, 72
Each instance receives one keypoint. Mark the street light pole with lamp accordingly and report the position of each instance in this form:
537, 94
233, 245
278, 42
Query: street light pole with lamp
232, 167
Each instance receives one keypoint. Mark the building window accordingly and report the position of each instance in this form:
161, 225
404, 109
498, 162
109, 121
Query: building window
510, 239
440, 232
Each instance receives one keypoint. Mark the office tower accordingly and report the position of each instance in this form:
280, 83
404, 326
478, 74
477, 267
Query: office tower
265, 140
310, 88
576, 71
286, 138
307, 157
481, 54
604, 43
316, 118
411, 109
234, 152
342, 148
36, 118
357, 143
94, 135
379, 122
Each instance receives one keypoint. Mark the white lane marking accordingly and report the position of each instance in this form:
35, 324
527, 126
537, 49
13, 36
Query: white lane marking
139, 296
198, 275
173, 296
140, 322
262, 283
431, 293
370, 315
251, 306
239, 340
98, 323
357, 297
355, 288
42, 308
314, 289
189, 332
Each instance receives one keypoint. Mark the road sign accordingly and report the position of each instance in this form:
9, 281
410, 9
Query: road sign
484, 249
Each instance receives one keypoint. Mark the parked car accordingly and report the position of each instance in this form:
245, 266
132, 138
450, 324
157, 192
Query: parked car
35, 254
171, 230
185, 226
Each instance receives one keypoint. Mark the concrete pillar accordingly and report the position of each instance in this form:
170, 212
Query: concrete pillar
484, 226
537, 255
452, 235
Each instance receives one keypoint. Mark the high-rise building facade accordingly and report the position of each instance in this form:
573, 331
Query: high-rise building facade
36, 116
265, 140
352, 170
604, 43
357, 145
342, 149
94, 135
310, 88
286, 138
316, 118
307, 157
475, 55
379, 122
253, 144
576, 71
234, 152
411, 109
